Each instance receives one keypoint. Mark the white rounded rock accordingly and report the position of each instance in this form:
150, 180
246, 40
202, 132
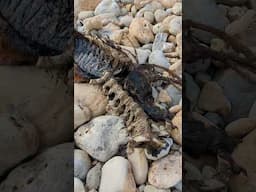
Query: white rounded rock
177, 8
175, 26
82, 164
102, 137
160, 14
139, 165
117, 176
78, 185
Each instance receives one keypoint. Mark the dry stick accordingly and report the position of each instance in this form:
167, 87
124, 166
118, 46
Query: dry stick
238, 46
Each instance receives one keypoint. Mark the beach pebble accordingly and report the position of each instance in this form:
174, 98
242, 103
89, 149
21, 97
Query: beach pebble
148, 15
126, 20
157, 57
176, 132
166, 172
101, 137
82, 164
37, 174
175, 94
92, 23
81, 115
141, 29
175, 25
167, 3
93, 177
160, 14
139, 165
117, 176
177, 8
236, 87
235, 13
108, 6
90, 96
212, 99
242, 24
26, 140
192, 90
159, 28
215, 118
78, 185
151, 188
164, 97
240, 127
85, 14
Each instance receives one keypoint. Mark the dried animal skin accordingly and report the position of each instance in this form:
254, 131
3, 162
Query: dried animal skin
95, 56
120, 103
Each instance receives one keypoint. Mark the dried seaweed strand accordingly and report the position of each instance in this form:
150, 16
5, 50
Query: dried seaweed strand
237, 45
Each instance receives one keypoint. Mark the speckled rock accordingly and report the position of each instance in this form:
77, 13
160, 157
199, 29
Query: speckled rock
18, 140
56, 162
101, 137
166, 172
81, 115
90, 96
117, 176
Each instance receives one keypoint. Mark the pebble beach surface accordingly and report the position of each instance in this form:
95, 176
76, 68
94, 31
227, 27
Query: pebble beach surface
104, 162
